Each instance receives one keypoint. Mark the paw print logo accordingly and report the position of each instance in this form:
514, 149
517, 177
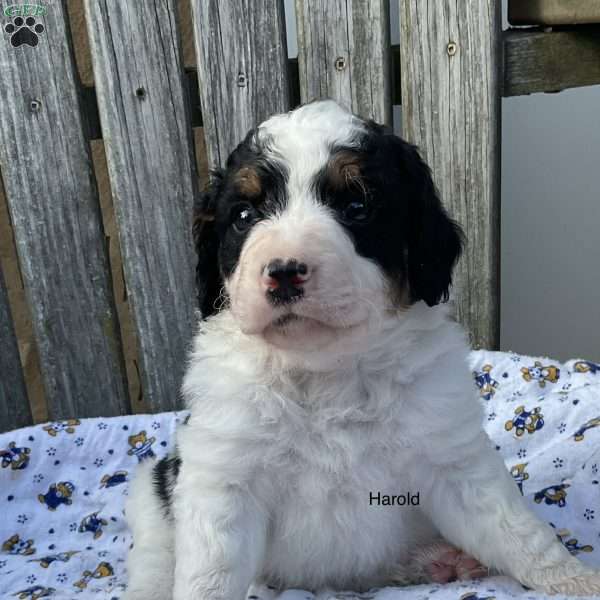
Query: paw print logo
594, 469
588, 514
24, 31
99, 462
558, 463
38, 477
79, 442
522, 453
21, 519
155, 425
31, 579
51, 451
562, 428
61, 577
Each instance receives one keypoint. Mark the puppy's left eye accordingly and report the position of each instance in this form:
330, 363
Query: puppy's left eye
356, 211
244, 217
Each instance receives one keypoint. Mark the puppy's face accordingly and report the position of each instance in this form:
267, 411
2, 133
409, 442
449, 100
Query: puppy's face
319, 224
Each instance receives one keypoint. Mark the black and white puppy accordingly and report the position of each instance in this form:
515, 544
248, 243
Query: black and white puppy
325, 371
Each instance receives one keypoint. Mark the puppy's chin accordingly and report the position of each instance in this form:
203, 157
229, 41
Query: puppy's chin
304, 334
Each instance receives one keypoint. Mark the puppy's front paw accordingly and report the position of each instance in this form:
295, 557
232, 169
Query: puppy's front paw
585, 584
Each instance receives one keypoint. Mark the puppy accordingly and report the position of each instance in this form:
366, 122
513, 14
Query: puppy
326, 375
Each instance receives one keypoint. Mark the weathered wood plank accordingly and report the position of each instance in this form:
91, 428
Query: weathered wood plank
14, 404
450, 54
343, 53
58, 230
147, 134
242, 68
538, 61
553, 12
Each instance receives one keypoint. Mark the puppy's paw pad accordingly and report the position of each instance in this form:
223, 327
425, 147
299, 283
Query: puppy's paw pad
443, 563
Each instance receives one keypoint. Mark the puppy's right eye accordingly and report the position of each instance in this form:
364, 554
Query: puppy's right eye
244, 217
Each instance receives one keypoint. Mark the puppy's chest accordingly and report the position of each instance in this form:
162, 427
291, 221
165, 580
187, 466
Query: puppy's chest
334, 455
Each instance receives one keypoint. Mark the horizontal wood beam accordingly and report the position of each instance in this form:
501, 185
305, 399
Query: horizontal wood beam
534, 61
550, 61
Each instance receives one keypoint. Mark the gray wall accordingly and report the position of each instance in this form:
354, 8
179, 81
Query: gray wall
550, 224
550, 273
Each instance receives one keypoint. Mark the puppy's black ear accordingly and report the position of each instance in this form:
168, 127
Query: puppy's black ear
434, 240
206, 241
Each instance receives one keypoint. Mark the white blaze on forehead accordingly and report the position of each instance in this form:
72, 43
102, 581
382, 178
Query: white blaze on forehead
302, 139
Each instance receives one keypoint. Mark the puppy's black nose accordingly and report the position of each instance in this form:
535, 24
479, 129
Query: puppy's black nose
284, 280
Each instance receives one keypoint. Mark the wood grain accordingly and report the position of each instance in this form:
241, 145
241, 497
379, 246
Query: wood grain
147, 134
14, 404
451, 110
538, 61
242, 68
344, 54
58, 231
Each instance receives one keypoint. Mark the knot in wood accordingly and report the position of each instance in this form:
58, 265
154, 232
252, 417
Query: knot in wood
140, 93
242, 80
340, 63
35, 105
451, 48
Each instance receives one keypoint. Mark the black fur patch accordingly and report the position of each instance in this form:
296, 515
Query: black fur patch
406, 231
218, 244
164, 476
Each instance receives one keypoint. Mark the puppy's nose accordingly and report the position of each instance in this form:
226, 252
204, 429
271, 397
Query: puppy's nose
284, 280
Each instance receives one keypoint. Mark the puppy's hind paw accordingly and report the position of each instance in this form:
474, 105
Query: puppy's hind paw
586, 584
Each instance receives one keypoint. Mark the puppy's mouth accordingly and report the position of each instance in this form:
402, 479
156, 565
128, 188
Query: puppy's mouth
286, 319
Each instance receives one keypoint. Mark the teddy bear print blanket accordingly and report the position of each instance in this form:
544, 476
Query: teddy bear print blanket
63, 484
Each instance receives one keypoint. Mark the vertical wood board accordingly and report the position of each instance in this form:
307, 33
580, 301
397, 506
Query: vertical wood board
451, 87
147, 135
14, 404
242, 69
344, 54
52, 199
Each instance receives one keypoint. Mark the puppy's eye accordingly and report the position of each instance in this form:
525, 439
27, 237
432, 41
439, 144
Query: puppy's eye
244, 217
356, 212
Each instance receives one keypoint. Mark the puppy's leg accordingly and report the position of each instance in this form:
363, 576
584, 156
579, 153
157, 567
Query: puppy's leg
150, 562
476, 505
219, 540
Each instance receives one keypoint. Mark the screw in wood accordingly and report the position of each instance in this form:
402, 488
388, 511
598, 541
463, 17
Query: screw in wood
340, 63
451, 48
35, 105
241, 79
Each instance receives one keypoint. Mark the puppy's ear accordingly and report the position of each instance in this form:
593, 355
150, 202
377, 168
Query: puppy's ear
434, 240
206, 241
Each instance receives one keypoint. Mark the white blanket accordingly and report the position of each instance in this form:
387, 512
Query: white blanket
62, 485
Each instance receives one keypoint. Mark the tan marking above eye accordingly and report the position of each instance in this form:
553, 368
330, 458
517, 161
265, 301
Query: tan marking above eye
248, 182
344, 170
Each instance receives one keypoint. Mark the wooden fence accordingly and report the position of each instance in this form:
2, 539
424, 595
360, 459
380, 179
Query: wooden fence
450, 71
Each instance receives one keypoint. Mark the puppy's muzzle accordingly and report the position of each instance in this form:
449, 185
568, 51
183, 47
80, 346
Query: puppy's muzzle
284, 280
